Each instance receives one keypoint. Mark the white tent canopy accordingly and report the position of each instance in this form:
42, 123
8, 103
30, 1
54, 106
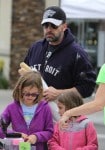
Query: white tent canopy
84, 9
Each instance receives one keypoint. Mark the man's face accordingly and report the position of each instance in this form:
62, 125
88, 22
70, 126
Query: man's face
54, 34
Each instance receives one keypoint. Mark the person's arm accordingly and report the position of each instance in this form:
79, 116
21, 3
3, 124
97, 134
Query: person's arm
51, 93
83, 74
88, 108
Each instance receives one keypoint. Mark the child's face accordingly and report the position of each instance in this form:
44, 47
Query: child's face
29, 95
62, 108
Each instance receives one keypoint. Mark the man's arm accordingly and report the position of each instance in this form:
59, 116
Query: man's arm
51, 93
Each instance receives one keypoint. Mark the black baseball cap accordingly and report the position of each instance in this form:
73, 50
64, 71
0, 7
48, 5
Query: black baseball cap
54, 15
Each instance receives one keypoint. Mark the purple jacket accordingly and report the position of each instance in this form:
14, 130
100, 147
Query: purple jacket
41, 124
80, 135
67, 67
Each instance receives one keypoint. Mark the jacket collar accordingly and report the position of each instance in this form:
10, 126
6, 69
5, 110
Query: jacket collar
81, 118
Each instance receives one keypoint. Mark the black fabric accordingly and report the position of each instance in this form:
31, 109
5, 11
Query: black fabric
58, 14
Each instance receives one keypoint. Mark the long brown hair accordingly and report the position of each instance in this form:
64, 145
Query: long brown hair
30, 78
70, 99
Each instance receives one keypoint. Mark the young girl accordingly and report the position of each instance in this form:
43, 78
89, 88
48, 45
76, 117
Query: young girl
30, 114
79, 134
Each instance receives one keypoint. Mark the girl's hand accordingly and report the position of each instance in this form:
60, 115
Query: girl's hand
32, 139
24, 136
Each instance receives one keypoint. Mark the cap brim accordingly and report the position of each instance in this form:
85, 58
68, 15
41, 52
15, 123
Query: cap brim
53, 21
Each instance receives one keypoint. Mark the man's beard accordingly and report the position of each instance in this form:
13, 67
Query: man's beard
55, 39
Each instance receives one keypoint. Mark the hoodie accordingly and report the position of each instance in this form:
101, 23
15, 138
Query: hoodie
67, 67
41, 124
80, 135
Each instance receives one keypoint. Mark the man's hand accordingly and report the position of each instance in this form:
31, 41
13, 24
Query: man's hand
51, 93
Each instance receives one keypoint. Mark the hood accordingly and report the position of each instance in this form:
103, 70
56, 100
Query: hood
41, 104
68, 38
81, 118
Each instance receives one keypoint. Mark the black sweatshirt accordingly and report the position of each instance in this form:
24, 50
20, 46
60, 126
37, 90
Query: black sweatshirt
66, 67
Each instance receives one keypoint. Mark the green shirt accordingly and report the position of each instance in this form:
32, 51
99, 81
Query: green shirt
101, 75
101, 79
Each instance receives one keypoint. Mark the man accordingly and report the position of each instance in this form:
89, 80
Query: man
63, 63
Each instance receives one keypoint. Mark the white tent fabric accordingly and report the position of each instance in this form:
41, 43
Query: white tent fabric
84, 9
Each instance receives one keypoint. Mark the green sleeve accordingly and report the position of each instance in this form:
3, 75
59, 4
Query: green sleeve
101, 75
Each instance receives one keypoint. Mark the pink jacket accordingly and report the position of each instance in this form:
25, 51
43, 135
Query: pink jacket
80, 135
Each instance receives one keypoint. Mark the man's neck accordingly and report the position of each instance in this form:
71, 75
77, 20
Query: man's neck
57, 42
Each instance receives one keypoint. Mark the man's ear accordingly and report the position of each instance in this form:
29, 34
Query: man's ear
64, 26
